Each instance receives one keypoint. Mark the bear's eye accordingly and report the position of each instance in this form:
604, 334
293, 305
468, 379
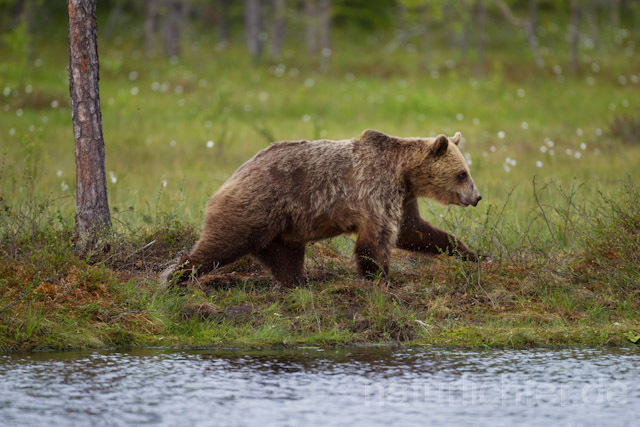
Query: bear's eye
462, 176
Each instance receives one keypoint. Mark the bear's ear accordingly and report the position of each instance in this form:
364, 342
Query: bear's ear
456, 138
440, 145
375, 137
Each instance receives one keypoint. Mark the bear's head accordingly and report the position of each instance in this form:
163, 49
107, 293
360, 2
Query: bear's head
441, 173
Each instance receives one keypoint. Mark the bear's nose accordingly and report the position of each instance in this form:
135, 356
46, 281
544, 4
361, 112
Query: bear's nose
479, 198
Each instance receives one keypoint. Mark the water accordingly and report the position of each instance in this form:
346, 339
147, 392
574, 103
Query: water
314, 387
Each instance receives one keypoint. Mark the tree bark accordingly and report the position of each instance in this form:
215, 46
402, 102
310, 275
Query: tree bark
92, 207
574, 35
277, 33
325, 34
252, 28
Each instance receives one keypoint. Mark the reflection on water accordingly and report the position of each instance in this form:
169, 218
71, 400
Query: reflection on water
360, 386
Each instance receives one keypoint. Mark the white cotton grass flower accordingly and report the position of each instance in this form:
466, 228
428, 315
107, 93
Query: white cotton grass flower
501, 134
172, 143
263, 96
459, 117
543, 148
54, 103
492, 149
64, 186
568, 151
59, 173
598, 132
579, 132
210, 144
521, 93
524, 125
134, 90
475, 121
133, 75
112, 177
539, 164
577, 154
549, 142
164, 183
12, 131
306, 118
583, 146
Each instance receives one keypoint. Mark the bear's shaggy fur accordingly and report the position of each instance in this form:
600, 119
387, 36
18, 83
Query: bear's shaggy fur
295, 192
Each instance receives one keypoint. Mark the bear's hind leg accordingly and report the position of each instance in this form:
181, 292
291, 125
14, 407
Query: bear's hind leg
208, 253
285, 260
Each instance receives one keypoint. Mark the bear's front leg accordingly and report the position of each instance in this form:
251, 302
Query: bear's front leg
373, 250
418, 235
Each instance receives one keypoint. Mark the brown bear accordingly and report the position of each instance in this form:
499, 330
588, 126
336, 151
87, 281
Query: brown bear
294, 192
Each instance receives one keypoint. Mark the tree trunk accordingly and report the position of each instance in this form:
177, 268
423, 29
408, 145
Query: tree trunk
253, 28
325, 34
528, 28
593, 22
403, 33
574, 35
112, 20
426, 39
481, 19
92, 207
614, 11
449, 15
311, 35
278, 28
172, 28
533, 15
150, 25
221, 21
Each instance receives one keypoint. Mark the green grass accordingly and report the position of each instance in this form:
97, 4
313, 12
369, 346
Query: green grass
564, 236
